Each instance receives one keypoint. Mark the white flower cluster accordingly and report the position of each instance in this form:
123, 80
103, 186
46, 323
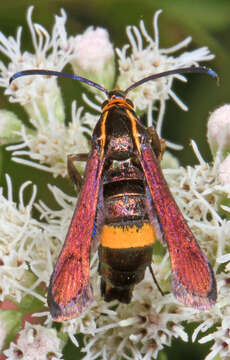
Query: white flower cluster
21, 247
35, 342
29, 247
141, 329
148, 59
53, 141
50, 52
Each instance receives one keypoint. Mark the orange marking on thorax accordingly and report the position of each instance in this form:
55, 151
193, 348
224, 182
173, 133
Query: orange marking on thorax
134, 129
125, 237
103, 134
116, 101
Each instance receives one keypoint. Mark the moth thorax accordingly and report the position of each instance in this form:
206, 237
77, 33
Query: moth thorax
120, 147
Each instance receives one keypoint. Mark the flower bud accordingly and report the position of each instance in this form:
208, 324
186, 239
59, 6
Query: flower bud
10, 124
224, 171
219, 131
35, 342
224, 178
46, 100
94, 57
169, 161
40, 96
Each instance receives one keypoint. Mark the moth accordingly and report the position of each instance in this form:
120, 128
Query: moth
123, 202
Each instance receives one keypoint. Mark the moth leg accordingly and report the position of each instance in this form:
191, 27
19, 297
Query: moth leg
155, 280
163, 147
157, 144
74, 174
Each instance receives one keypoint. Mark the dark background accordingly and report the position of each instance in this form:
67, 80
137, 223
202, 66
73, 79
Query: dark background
208, 21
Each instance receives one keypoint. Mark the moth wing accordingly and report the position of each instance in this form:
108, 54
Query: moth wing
193, 282
69, 291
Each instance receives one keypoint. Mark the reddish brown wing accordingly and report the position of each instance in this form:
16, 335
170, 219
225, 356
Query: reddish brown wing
193, 282
69, 291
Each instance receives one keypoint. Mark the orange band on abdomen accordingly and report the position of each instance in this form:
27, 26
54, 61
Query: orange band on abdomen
124, 237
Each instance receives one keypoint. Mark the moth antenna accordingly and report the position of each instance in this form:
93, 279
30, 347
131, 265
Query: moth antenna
191, 69
59, 74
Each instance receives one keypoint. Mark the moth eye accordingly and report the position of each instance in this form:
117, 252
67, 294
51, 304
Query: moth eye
104, 104
129, 102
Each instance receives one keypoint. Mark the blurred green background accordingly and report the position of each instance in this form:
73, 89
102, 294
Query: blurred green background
207, 21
